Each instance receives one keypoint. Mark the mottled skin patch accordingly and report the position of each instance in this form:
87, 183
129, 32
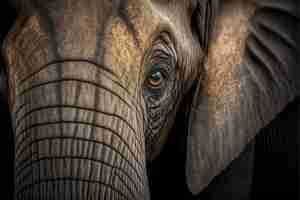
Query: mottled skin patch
224, 55
74, 40
132, 42
124, 56
25, 54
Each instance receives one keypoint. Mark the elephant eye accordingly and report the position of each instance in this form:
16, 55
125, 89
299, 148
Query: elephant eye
156, 78
160, 68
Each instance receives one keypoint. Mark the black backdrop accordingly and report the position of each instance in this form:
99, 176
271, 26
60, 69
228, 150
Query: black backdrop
6, 142
271, 161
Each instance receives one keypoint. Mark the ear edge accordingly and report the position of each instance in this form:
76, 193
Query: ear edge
265, 114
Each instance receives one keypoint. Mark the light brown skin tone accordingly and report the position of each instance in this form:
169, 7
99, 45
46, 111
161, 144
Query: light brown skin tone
82, 94
95, 86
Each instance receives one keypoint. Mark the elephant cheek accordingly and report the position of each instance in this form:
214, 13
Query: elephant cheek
78, 136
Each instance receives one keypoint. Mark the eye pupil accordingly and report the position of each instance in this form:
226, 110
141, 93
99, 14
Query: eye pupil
156, 76
155, 79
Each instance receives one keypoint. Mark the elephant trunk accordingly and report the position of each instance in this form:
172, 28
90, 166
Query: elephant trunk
79, 135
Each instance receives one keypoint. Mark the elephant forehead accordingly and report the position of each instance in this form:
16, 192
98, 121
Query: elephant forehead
76, 30
126, 41
109, 33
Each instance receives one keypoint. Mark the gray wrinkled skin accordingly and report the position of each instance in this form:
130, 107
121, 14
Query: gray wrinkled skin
95, 86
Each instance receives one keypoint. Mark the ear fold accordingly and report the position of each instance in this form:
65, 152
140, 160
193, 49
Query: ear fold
252, 73
204, 16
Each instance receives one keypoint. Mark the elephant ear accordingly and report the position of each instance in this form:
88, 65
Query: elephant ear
251, 74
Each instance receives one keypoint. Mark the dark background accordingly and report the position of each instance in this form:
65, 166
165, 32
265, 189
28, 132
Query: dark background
268, 168
7, 138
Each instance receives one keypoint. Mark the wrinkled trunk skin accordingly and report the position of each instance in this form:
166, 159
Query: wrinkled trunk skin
78, 136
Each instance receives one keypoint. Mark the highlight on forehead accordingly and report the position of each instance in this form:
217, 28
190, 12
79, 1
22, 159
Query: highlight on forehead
126, 16
133, 14
123, 53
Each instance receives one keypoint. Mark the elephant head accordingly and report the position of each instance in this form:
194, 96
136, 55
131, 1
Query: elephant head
95, 85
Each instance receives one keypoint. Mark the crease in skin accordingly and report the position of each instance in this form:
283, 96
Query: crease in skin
126, 13
66, 89
126, 55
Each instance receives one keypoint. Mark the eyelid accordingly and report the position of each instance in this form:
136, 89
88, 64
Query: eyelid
162, 58
161, 46
160, 53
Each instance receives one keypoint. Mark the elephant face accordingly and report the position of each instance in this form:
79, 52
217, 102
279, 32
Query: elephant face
94, 87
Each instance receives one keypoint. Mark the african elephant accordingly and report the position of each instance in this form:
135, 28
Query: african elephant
95, 87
